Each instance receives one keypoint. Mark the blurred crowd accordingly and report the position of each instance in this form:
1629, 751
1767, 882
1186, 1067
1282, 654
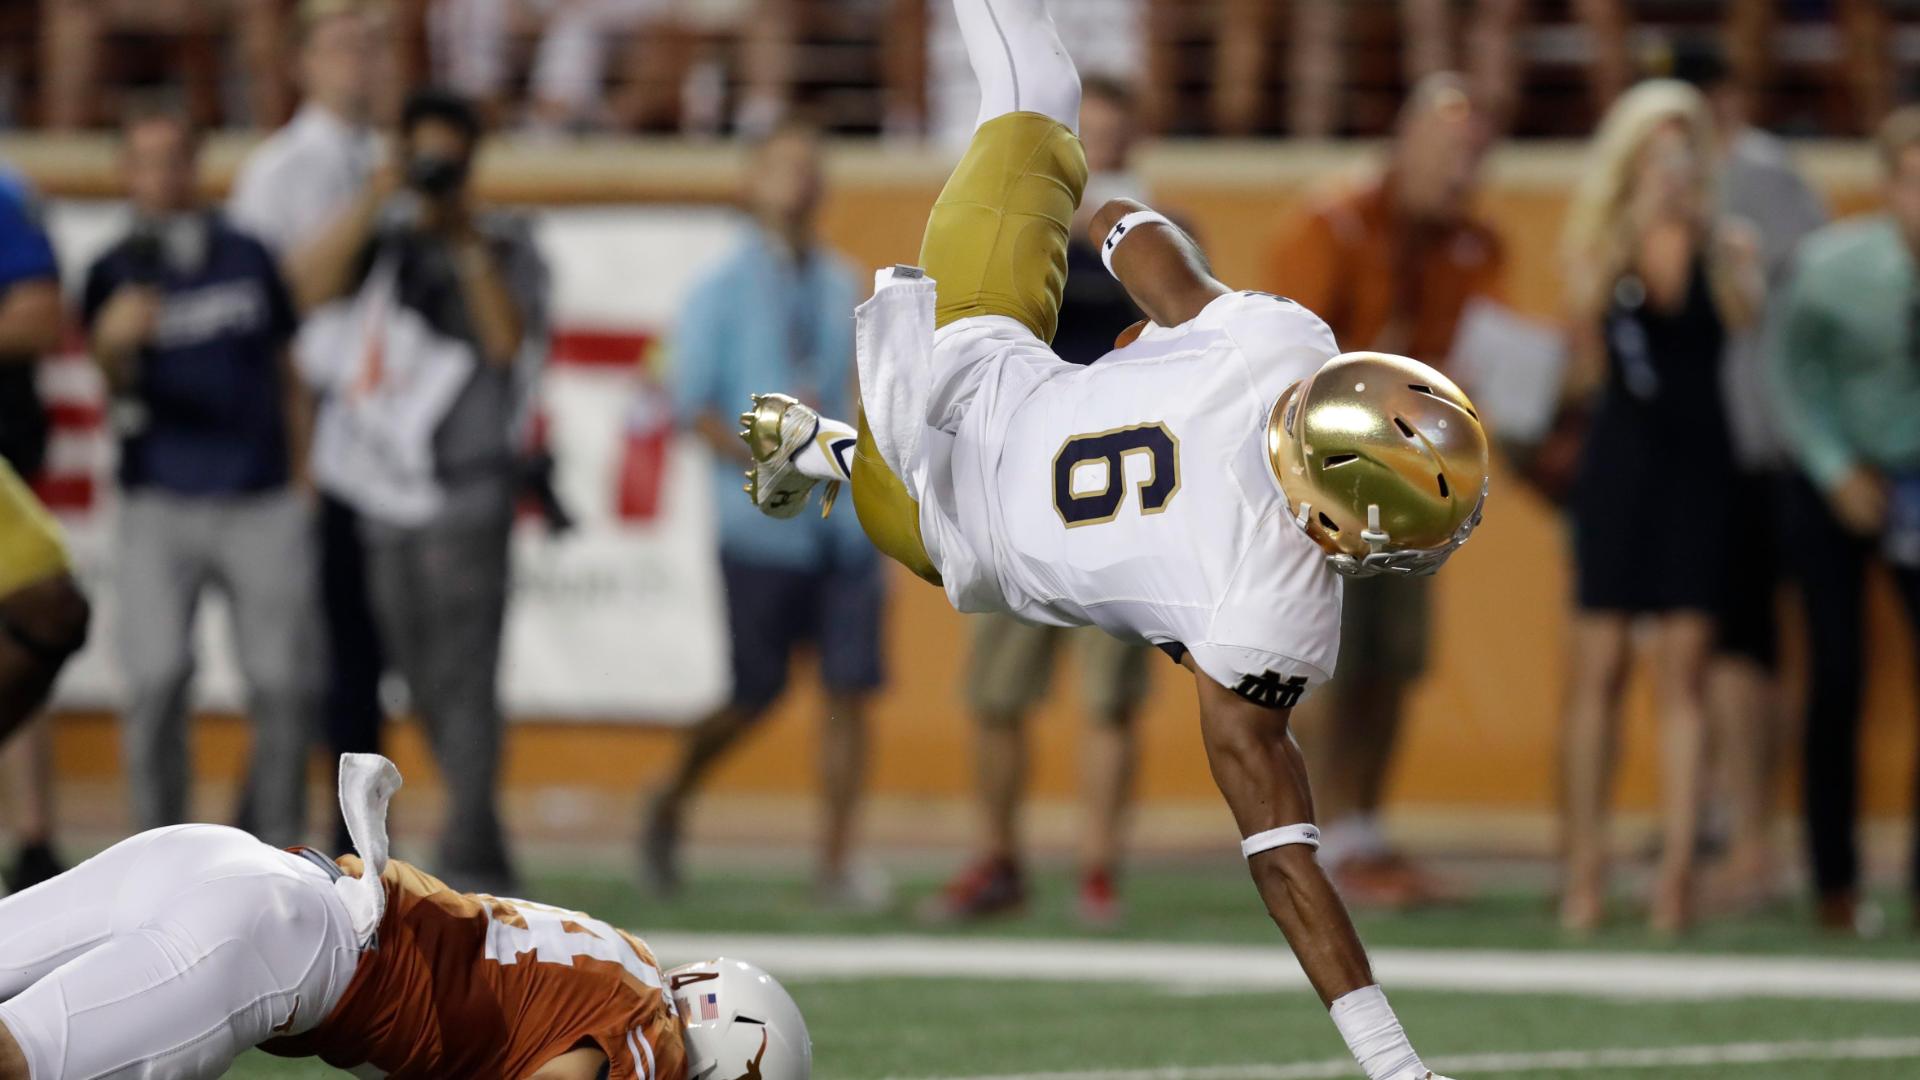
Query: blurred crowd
321, 390
320, 393
1309, 68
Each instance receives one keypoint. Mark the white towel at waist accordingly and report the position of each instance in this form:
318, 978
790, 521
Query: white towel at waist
893, 335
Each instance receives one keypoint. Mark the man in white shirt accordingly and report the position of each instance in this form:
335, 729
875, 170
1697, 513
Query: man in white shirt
302, 180
309, 172
1196, 488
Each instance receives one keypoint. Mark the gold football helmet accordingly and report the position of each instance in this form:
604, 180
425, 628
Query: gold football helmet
1383, 462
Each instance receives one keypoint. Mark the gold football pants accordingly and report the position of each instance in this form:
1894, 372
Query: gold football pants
30, 547
996, 244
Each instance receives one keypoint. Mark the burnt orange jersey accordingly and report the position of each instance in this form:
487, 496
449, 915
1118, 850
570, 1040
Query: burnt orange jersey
459, 985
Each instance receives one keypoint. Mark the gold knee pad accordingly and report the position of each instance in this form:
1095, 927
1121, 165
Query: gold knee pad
30, 547
890, 516
996, 241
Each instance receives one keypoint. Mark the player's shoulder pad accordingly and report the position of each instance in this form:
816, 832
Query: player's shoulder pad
1268, 327
1281, 339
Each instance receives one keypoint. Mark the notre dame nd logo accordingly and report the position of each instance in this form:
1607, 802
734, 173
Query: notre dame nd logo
1271, 691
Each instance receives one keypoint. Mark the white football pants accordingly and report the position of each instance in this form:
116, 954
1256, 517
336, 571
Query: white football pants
170, 954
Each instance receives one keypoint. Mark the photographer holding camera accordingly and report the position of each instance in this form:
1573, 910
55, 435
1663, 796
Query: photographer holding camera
190, 321
428, 331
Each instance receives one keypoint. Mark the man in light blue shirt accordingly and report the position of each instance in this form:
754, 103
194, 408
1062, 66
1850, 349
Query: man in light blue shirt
1845, 366
778, 311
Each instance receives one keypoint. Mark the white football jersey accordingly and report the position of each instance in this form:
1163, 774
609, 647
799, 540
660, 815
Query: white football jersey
1134, 494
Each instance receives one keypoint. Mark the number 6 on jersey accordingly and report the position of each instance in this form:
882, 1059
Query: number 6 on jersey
1110, 449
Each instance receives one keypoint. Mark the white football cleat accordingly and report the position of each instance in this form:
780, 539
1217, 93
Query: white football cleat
775, 431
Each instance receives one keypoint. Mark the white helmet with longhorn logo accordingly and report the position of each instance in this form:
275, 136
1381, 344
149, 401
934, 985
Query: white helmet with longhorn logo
741, 1024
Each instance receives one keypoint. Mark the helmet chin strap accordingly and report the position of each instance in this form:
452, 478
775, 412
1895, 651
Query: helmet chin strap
1374, 535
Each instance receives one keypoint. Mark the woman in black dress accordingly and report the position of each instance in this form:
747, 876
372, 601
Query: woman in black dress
1656, 285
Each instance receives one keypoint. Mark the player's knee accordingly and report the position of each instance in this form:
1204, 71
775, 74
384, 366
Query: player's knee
50, 620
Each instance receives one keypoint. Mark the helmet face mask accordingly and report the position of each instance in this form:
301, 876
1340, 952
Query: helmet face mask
739, 1023
1383, 463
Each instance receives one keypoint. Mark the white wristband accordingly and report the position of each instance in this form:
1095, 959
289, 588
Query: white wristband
1126, 225
1280, 837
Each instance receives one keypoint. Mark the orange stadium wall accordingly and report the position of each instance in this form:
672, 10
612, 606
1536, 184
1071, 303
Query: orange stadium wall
1484, 722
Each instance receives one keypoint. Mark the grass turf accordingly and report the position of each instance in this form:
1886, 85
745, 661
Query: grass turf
874, 1029
878, 1029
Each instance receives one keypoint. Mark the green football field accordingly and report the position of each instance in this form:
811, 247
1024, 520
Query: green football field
1190, 988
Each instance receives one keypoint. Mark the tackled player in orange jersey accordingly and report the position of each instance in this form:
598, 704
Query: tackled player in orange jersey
175, 951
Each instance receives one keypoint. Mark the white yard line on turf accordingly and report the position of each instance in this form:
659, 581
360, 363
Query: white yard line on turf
1199, 968
1668, 1057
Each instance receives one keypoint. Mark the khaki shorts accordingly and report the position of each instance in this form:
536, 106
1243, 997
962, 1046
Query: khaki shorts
1012, 666
30, 547
1384, 628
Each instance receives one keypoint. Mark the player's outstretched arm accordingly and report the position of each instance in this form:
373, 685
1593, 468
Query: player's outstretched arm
1260, 771
1159, 264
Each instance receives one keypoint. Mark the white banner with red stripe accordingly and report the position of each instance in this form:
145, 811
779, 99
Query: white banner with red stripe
620, 619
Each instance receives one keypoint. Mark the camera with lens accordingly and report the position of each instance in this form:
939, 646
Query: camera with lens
436, 176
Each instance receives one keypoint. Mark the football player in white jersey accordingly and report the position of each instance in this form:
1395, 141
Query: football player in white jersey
1202, 487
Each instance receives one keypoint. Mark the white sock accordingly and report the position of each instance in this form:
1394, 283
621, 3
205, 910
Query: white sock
1355, 836
830, 455
1375, 1036
1019, 60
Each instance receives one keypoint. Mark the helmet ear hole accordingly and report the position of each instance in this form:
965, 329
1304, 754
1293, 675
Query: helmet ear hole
1327, 524
1335, 460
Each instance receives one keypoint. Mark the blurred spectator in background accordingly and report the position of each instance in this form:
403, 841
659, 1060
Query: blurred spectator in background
31, 317
190, 320
309, 172
288, 191
1013, 662
475, 47
775, 313
1390, 264
1321, 49
1656, 285
807, 55
1433, 39
1846, 367
1108, 38
1763, 191
428, 360
91, 49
